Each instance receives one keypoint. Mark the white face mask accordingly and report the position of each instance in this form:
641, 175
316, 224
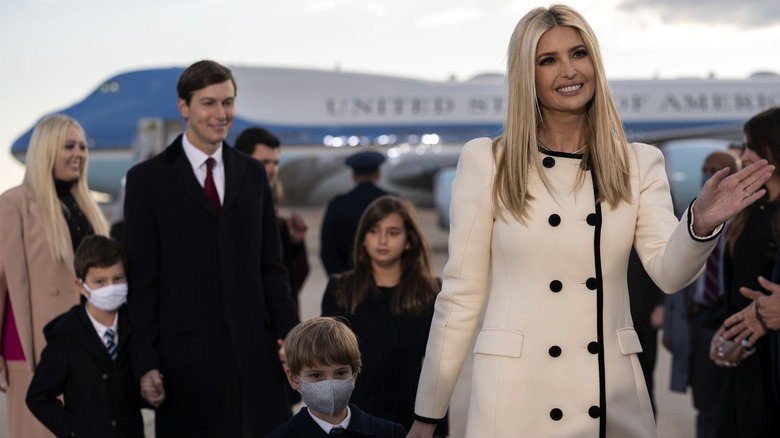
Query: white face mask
327, 396
107, 298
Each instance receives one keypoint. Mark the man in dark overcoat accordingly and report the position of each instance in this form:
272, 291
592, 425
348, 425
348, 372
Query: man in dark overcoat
209, 297
342, 214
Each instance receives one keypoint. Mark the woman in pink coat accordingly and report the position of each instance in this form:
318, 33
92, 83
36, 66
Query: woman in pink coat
42, 221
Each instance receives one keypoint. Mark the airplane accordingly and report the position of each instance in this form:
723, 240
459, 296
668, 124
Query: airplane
323, 116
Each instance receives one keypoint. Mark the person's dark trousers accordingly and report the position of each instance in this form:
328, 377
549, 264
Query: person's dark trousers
648, 338
706, 378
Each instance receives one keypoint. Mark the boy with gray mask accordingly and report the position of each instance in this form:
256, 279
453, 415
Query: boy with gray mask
323, 361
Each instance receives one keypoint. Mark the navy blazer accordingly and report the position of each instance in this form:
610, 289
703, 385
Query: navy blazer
101, 400
209, 295
361, 424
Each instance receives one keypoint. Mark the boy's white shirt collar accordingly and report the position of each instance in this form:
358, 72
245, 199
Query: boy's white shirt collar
327, 426
101, 329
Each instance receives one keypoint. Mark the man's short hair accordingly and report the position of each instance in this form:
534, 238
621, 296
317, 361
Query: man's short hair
251, 137
200, 75
321, 341
97, 251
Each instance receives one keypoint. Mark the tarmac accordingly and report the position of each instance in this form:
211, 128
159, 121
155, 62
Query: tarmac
675, 416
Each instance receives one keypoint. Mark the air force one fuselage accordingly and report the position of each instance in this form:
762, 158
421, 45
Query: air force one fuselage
321, 116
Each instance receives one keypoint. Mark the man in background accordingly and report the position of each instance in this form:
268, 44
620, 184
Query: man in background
684, 329
265, 147
342, 214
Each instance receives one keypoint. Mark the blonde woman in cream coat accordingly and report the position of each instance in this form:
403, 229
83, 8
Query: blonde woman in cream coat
36, 255
544, 218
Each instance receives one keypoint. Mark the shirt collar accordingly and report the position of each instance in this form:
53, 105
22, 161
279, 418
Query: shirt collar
327, 426
196, 156
100, 328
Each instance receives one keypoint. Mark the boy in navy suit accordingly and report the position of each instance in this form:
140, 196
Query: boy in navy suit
86, 358
323, 361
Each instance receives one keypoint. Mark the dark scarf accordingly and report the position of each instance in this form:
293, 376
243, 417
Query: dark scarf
78, 224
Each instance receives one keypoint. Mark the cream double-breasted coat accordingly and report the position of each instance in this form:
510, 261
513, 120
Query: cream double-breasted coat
556, 354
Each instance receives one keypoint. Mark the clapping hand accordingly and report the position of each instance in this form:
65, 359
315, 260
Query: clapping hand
767, 306
722, 196
744, 326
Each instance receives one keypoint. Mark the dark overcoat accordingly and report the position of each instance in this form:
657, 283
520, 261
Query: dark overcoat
392, 348
339, 225
361, 425
209, 295
101, 400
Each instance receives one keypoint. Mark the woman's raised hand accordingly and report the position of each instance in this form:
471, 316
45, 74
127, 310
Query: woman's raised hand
723, 196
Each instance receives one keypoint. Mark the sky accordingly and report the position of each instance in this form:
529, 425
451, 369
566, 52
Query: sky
55, 52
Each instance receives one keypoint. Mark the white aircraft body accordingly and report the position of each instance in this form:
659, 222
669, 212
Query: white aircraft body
323, 116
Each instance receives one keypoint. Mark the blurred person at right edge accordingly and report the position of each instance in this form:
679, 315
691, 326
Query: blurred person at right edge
748, 407
685, 317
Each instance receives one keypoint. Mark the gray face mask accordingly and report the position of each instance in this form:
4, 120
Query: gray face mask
327, 396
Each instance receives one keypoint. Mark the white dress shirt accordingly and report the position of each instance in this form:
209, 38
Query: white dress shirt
197, 159
327, 426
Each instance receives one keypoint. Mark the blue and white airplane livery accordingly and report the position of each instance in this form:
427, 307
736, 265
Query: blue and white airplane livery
322, 116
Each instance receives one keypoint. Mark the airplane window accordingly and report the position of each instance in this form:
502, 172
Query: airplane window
430, 139
109, 87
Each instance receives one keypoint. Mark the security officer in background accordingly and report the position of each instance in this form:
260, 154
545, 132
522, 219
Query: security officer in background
343, 212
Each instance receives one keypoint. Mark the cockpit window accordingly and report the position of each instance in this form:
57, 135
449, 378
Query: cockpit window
109, 87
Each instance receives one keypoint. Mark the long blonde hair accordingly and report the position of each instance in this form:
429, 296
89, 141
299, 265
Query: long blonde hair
515, 151
45, 146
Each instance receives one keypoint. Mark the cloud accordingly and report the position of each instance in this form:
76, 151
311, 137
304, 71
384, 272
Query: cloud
321, 5
745, 14
451, 17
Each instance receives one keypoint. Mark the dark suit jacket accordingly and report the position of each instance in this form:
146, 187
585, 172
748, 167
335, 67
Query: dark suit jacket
392, 349
209, 295
342, 216
101, 400
360, 425
774, 339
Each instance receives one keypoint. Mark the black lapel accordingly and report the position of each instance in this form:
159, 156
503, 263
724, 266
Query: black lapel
234, 175
180, 170
91, 342
124, 327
